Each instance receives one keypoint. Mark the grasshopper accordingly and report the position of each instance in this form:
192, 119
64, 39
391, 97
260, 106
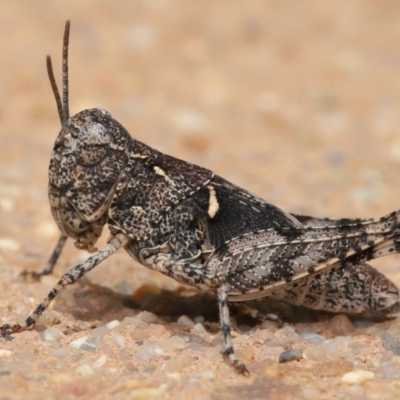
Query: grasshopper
196, 227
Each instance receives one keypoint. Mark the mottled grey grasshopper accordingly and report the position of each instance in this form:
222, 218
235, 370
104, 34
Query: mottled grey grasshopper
194, 226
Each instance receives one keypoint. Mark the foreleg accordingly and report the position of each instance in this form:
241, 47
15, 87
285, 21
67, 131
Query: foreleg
48, 269
114, 243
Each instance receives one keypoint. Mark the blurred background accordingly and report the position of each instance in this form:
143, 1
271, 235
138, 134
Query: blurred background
296, 101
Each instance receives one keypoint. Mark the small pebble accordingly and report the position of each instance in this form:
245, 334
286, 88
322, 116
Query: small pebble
270, 326
388, 372
148, 393
85, 370
291, 355
357, 377
198, 328
60, 353
205, 375
185, 321
100, 331
9, 244
339, 341
149, 352
47, 321
174, 343
119, 341
68, 296
287, 330
112, 324
87, 343
336, 368
51, 334
156, 330
211, 352
124, 288
189, 337
129, 321
146, 316
261, 335
391, 343
195, 348
341, 325
313, 338
100, 361
179, 364
4, 353
218, 343
316, 353
245, 353
285, 341
141, 332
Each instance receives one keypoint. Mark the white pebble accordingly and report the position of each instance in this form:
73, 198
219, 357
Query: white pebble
174, 343
198, 328
60, 353
100, 331
146, 316
156, 330
357, 377
313, 338
5, 353
205, 375
129, 321
112, 324
287, 330
9, 244
51, 335
339, 341
185, 321
315, 353
261, 335
149, 352
119, 341
148, 393
100, 361
123, 287
218, 344
86, 343
85, 370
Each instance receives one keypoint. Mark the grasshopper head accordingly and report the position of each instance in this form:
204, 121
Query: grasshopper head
88, 157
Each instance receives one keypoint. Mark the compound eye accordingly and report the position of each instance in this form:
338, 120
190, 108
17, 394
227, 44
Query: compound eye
92, 144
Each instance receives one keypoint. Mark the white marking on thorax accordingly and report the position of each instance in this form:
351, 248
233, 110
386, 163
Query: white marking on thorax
213, 205
162, 173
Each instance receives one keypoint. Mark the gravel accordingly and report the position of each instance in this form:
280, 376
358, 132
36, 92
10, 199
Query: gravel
298, 103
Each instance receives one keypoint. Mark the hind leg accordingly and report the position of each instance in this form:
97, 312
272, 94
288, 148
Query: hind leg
352, 289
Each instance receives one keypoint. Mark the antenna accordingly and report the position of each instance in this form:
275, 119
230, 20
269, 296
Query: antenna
65, 70
62, 106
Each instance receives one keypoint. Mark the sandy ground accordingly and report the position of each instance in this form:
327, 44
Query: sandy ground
296, 101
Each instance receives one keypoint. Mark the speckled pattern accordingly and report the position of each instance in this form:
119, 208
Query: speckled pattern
296, 102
